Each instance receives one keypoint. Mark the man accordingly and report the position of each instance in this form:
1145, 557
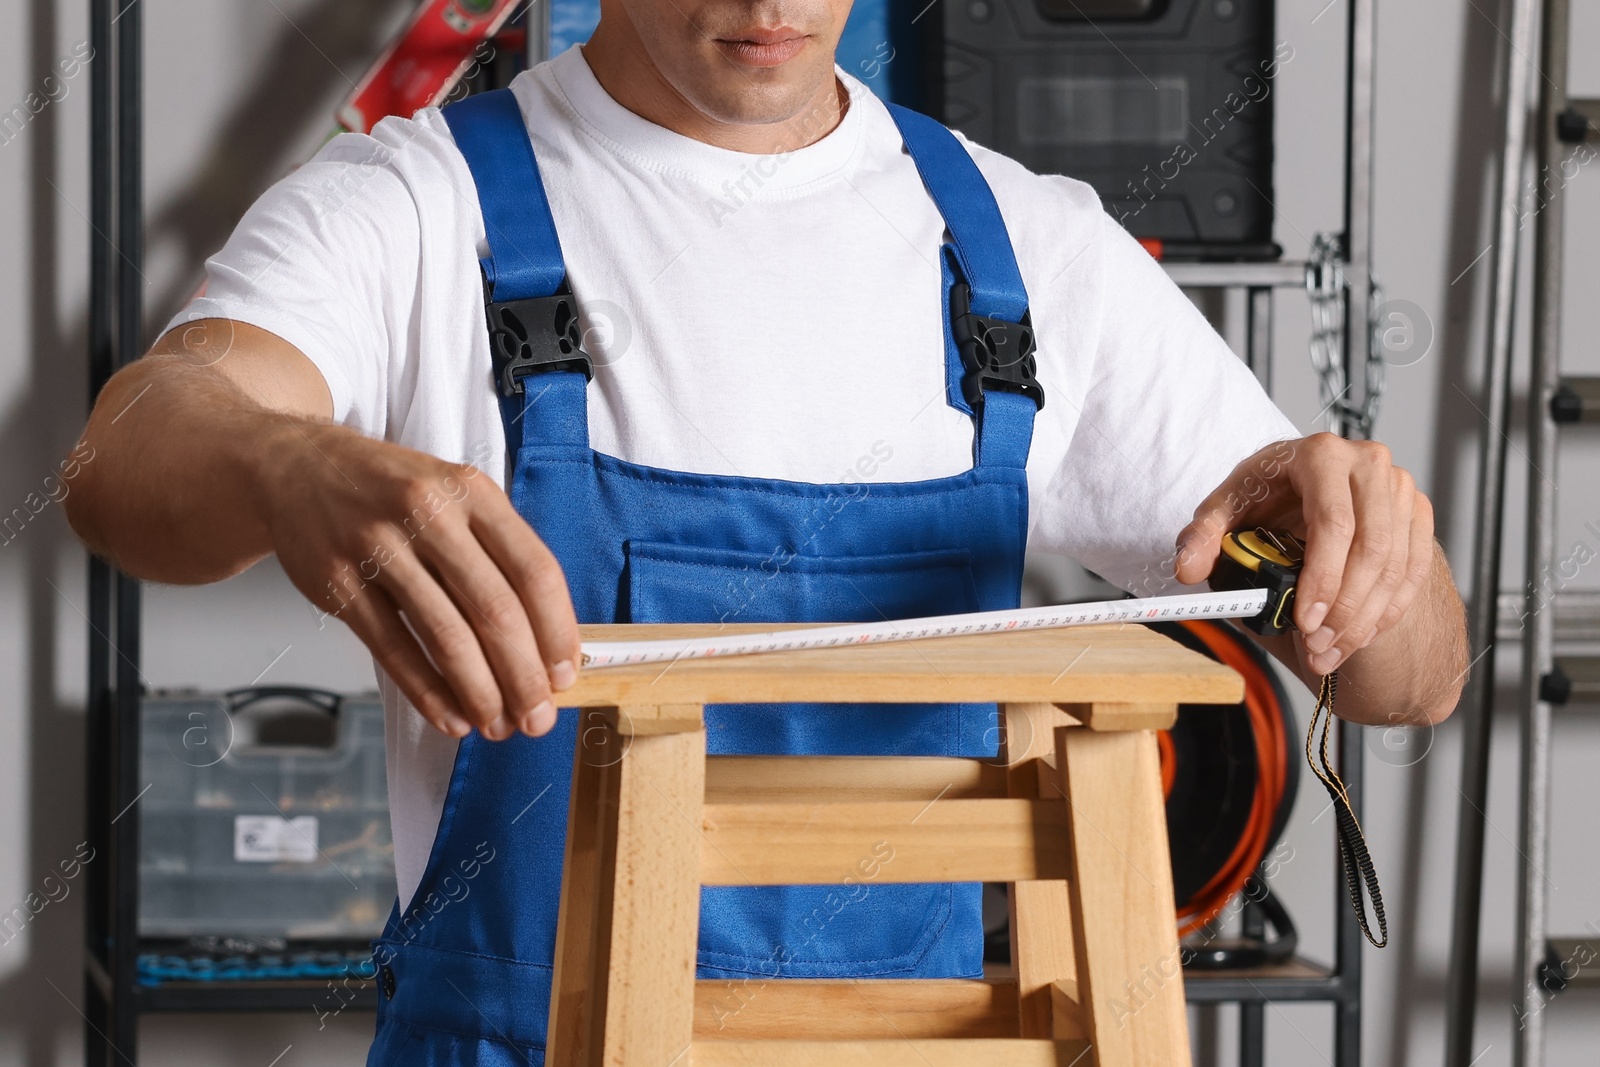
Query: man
776, 273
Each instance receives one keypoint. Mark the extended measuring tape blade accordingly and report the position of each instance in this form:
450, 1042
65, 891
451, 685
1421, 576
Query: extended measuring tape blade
1231, 604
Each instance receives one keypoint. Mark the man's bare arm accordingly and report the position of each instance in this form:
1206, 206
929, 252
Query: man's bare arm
216, 449
176, 494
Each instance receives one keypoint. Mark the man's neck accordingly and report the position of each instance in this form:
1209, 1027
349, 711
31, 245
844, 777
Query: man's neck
625, 71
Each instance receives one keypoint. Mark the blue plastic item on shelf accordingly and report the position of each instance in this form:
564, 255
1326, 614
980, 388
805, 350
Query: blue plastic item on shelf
156, 968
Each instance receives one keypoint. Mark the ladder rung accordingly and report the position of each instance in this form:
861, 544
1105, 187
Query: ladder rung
1579, 122
1577, 616
1572, 680
1576, 400
1570, 962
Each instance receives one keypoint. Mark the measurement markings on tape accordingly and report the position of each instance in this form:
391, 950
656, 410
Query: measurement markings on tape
1237, 604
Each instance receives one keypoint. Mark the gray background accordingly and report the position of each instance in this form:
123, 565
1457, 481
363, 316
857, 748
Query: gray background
239, 92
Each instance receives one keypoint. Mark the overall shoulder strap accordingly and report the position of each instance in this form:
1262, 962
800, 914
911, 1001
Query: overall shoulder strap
988, 331
524, 257
530, 313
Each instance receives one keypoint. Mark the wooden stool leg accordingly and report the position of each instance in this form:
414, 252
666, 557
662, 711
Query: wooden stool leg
630, 894
580, 958
1130, 976
1041, 911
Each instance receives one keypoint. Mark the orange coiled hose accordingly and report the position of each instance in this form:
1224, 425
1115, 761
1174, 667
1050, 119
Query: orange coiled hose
1266, 721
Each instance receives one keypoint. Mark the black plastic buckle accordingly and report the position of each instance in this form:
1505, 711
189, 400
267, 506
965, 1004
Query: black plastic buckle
996, 354
538, 334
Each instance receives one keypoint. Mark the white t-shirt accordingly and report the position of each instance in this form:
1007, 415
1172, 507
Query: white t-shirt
773, 316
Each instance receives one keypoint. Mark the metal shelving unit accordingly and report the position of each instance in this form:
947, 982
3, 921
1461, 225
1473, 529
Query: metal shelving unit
1302, 980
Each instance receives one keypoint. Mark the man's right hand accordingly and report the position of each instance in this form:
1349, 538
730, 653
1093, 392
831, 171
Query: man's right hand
216, 450
431, 566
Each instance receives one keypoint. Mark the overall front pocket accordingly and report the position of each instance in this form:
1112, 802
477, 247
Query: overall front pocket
857, 926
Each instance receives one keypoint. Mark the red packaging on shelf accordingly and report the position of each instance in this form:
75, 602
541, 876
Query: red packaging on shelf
426, 61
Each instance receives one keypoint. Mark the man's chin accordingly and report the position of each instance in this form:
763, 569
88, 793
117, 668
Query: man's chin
771, 95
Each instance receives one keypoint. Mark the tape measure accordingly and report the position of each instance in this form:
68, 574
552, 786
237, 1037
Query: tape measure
1253, 582
1261, 559
1244, 603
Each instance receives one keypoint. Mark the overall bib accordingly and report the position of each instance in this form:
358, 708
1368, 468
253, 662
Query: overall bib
465, 973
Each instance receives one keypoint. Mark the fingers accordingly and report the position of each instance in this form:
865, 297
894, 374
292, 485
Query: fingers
1200, 542
535, 575
1348, 500
1420, 555
498, 618
436, 572
488, 602
451, 642
1369, 603
1329, 515
375, 619
440, 601
1245, 499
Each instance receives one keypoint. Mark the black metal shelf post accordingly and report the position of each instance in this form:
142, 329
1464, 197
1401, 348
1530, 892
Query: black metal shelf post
115, 337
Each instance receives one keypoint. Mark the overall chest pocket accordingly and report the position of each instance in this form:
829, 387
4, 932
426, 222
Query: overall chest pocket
690, 583
854, 927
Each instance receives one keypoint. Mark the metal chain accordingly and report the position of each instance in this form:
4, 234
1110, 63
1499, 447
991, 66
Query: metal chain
1326, 288
1377, 369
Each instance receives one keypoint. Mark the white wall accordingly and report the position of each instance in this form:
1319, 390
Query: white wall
237, 93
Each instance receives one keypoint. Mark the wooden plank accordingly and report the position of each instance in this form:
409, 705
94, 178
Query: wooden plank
829, 1010
649, 1005
775, 779
1130, 975
897, 1053
1066, 1011
661, 719
1043, 954
1041, 913
577, 1001
1110, 718
1028, 736
1126, 664
913, 841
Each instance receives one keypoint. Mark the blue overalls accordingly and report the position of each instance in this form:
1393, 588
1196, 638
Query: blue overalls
465, 973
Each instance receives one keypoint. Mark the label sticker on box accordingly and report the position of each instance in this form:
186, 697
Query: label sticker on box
269, 839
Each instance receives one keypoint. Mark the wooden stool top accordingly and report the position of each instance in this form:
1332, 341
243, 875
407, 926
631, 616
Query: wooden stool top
1120, 663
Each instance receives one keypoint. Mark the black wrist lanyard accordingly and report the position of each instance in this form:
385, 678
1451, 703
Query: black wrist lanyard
1263, 559
1353, 855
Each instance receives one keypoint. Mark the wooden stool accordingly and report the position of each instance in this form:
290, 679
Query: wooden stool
1072, 814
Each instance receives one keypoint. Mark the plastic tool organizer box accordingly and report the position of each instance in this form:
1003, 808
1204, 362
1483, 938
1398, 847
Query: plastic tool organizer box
266, 816
1165, 107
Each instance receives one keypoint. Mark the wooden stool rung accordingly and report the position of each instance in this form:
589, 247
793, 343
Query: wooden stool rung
853, 1009
777, 779
990, 840
900, 1052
